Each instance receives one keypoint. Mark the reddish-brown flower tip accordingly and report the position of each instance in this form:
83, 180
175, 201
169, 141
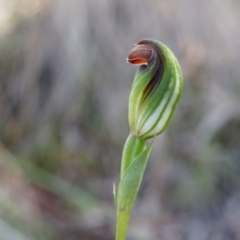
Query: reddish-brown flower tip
140, 54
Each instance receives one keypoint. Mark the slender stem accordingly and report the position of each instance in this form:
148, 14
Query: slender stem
122, 224
133, 147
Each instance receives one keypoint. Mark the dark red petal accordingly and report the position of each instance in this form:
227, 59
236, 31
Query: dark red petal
140, 54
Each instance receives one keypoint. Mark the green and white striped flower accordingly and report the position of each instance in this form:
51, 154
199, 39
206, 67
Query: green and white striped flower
156, 89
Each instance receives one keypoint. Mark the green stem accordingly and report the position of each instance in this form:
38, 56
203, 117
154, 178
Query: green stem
122, 224
134, 160
132, 148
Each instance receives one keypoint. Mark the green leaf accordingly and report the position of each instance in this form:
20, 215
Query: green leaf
132, 148
131, 180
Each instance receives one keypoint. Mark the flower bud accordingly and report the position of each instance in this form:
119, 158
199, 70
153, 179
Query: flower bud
156, 89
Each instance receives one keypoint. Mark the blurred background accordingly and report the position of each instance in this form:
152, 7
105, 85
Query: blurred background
64, 86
